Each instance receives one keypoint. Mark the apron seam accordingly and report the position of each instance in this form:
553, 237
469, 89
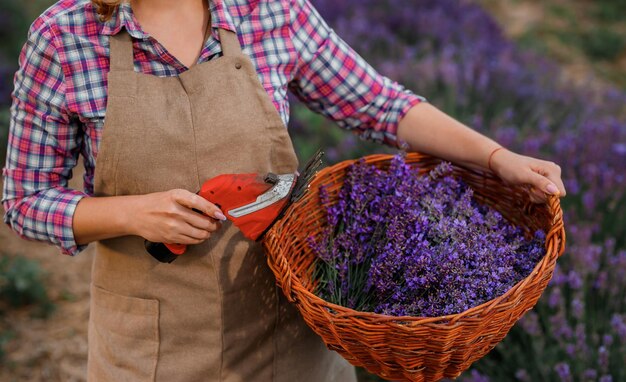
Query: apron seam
221, 299
157, 330
275, 332
195, 140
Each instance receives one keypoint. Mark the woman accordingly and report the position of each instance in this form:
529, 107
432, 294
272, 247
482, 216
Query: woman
190, 92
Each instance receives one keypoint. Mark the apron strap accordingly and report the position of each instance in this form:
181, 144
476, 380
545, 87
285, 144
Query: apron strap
121, 52
230, 43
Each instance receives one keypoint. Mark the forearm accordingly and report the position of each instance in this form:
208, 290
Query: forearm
98, 218
428, 130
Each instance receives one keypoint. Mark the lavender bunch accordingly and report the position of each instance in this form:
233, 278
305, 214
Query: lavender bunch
401, 244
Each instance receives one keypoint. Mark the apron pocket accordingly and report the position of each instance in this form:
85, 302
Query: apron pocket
123, 337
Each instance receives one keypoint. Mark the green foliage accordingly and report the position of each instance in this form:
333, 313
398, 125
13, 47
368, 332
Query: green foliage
4, 133
364, 376
603, 43
610, 10
532, 39
13, 28
314, 132
22, 283
563, 12
5, 336
15, 18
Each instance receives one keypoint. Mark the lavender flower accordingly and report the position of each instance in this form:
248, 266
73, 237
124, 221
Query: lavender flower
590, 375
618, 322
453, 53
522, 375
563, 371
403, 244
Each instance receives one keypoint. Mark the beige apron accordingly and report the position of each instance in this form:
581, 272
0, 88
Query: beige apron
215, 314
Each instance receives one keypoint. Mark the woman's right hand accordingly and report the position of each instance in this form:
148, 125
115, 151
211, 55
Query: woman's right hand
167, 217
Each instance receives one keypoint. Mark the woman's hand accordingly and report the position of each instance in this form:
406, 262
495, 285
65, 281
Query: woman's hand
542, 176
167, 217
161, 217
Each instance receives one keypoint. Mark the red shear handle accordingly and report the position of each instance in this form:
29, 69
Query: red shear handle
165, 253
177, 249
231, 191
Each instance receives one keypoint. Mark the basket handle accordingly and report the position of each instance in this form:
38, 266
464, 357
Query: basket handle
558, 227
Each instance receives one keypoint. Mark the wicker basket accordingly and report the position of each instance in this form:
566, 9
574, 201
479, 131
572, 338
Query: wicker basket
411, 348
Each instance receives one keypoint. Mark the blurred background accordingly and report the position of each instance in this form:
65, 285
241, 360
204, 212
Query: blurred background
545, 78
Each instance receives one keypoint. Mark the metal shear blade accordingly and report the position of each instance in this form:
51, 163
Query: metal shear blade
279, 191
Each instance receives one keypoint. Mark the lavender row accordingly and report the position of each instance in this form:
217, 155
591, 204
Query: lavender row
453, 53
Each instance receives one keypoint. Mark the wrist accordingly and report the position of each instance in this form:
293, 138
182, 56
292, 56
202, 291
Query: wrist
490, 157
126, 219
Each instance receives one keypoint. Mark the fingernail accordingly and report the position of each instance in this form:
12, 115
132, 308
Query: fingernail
552, 189
219, 215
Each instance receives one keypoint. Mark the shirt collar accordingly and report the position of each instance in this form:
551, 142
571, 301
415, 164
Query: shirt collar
123, 16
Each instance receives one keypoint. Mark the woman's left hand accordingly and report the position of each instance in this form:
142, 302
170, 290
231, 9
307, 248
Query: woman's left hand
543, 177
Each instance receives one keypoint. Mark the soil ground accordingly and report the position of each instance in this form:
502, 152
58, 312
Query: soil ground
559, 29
52, 349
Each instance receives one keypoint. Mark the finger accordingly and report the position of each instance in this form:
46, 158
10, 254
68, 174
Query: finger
552, 171
195, 233
191, 201
554, 175
536, 195
199, 221
182, 230
187, 240
541, 182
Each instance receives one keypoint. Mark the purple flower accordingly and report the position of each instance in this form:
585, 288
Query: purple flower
530, 323
575, 281
563, 371
603, 358
522, 375
590, 375
476, 376
454, 53
618, 322
578, 308
424, 245
555, 299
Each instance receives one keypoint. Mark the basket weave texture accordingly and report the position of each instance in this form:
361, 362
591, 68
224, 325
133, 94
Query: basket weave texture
411, 348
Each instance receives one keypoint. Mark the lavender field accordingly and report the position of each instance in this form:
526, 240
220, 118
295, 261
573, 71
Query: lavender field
455, 54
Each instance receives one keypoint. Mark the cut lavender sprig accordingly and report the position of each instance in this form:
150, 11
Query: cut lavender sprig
401, 244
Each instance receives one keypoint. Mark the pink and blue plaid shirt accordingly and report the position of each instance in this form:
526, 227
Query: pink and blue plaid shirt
60, 94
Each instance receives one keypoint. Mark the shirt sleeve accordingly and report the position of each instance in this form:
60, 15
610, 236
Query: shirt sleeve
43, 147
332, 79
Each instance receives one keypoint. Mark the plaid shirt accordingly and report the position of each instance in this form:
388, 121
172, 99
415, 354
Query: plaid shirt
60, 94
